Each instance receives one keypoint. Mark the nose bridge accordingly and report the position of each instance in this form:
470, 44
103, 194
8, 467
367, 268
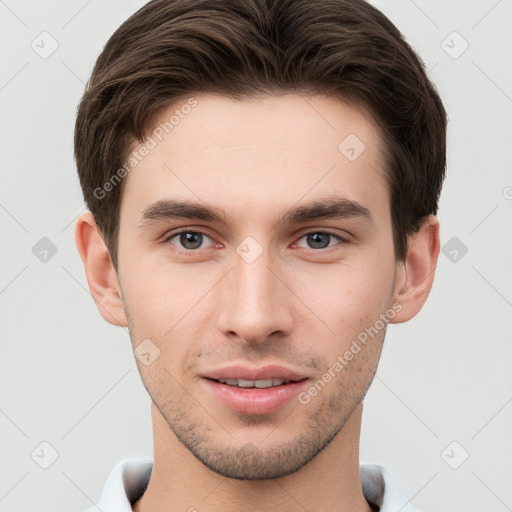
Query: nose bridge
254, 281
254, 301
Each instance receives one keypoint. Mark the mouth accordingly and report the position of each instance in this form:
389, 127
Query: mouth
254, 391
254, 384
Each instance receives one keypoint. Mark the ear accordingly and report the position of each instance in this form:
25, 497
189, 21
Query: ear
100, 272
416, 275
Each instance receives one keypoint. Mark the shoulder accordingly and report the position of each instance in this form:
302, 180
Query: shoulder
124, 485
382, 489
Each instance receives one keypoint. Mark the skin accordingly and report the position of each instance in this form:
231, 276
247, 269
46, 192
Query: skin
297, 304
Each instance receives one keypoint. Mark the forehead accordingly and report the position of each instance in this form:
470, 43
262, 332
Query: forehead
259, 152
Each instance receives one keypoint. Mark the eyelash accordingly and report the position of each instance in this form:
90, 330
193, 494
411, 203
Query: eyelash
196, 251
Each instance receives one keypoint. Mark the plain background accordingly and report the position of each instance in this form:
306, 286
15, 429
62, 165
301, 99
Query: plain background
443, 390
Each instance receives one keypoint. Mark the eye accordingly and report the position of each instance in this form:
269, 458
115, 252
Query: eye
321, 239
189, 240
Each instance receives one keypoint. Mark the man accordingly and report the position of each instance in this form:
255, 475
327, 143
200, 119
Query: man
262, 178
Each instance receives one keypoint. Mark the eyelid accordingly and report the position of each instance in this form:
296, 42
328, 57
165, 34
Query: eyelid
172, 234
341, 239
345, 236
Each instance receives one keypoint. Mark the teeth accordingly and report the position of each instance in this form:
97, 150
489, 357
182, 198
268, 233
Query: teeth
254, 383
262, 384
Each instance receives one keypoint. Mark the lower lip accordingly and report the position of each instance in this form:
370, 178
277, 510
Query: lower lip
255, 400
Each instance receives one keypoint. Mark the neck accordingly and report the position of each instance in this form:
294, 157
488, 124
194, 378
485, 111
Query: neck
180, 482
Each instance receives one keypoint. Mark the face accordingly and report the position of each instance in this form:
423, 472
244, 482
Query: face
254, 246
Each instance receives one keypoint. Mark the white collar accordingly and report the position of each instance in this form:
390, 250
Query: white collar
129, 479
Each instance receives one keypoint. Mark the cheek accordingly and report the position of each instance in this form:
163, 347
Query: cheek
161, 296
347, 301
171, 308
345, 296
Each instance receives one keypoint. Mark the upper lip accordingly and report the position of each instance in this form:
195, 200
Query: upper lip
247, 373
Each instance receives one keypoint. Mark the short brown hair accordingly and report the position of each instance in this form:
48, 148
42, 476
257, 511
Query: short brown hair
348, 49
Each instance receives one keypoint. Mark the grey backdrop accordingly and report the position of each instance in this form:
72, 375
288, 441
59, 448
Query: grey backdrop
439, 413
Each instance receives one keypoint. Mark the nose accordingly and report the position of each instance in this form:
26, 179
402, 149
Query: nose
255, 302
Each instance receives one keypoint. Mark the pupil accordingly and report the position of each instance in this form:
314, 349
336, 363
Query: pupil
316, 242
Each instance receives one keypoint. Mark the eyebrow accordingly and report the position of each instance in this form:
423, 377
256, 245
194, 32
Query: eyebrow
333, 207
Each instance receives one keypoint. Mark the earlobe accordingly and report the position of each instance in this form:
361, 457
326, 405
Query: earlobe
99, 270
418, 270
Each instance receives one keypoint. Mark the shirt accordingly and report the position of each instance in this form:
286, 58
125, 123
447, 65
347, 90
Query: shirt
129, 479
